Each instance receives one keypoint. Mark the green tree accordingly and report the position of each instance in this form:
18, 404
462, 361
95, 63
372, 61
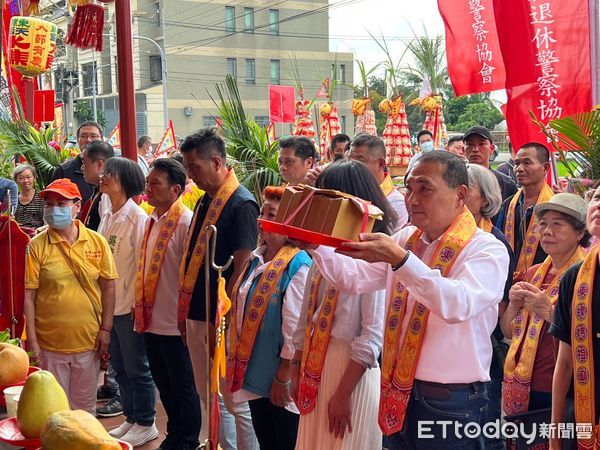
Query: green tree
84, 112
463, 112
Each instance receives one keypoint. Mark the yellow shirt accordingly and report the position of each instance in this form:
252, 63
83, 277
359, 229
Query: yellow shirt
65, 320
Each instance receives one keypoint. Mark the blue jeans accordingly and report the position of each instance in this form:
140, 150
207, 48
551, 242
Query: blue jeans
494, 388
462, 407
128, 358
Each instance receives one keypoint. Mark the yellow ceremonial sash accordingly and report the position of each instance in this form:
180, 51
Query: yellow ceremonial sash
485, 224
241, 344
187, 278
532, 238
582, 349
526, 333
387, 185
400, 361
316, 342
145, 290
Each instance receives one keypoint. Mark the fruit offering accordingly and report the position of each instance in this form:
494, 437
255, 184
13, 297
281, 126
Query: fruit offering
303, 123
396, 134
330, 126
76, 430
41, 397
14, 362
365, 117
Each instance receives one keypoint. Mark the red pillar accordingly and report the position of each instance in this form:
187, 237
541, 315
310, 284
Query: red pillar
126, 85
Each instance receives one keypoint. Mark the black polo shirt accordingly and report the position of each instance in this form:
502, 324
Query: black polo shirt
561, 322
71, 169
520, 228
237, 229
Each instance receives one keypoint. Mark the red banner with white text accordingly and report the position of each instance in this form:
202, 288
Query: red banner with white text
472, 47
546, 51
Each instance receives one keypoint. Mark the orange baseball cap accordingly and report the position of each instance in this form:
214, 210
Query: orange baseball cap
64, 187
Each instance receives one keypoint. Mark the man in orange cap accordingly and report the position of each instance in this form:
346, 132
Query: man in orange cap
69, 295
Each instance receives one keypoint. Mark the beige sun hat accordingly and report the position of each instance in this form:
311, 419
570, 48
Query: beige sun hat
570, 204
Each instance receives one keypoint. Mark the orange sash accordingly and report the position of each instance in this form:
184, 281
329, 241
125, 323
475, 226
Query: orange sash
400, 361
532, 238
485, 224
241, 344
582, 347
387, 185
145, 290
316, 342
527, 329
187, 278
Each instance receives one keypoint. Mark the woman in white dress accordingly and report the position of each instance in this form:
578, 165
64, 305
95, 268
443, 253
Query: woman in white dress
338, 341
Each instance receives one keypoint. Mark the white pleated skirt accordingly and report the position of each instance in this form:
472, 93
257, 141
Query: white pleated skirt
313, 431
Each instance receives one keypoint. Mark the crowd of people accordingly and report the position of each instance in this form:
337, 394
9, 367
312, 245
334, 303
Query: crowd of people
470, 302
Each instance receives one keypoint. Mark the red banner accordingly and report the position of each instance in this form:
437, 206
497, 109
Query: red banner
546, 52
282, 104
472, 48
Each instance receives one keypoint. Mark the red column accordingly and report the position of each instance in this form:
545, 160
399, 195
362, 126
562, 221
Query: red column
126, 85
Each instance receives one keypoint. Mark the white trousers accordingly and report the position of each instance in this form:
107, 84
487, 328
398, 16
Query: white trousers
235, 430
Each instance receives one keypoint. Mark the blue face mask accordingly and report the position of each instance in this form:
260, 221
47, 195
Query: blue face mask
59, 217
427, 146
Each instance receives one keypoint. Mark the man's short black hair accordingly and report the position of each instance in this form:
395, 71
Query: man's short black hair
455, 138
90, 123
206, 142
143, 140
454, 169
173, 169
374, 144
423, 133
99, 150
303, 147
543, 154
340, 137
128, 173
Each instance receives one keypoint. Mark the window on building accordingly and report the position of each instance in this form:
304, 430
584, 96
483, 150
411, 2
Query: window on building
232, 67
209, 121
89, 78
274, 21
262, 121
250, 71
275, 72
105, 72
155, 68
230, 18
343, 124
249, 19
158, 14
343, 73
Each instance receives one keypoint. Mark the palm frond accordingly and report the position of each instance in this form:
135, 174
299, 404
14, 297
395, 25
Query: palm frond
250, 153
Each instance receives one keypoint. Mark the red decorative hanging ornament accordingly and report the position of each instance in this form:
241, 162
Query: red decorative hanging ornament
87, 26
34, 8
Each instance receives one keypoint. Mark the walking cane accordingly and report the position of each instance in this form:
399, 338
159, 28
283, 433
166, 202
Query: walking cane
209, 263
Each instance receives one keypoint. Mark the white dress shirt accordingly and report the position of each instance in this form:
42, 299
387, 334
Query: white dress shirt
164, 313
290, 311
396, 200
124, 231
358, 320
464, 306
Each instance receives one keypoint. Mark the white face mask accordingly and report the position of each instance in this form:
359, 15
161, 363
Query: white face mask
427, 146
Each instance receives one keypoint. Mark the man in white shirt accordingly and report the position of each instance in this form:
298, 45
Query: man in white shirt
156, 303
371, 151
439, 375
144, 151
